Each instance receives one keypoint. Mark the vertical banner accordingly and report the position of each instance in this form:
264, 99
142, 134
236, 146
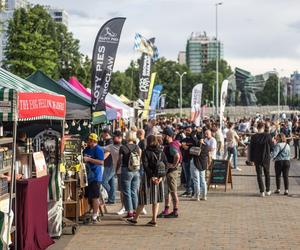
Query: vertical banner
196, 104
154, 100
144, 76
223, 99
105, 50
147, 101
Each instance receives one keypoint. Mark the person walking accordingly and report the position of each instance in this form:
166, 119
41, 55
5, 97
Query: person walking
211, 142
260, 153
198, 165
282, 155
296, 134
151, 189
130, 175
186, 144
232, 140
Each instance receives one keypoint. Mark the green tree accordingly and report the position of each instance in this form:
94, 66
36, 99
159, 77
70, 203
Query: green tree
36, 41
84, 72
30, 44
269, 96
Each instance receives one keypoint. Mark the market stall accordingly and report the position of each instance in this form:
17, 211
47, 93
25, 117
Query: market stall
21, 102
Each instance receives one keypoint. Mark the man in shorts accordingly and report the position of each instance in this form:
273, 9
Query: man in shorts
172, 152
93, 156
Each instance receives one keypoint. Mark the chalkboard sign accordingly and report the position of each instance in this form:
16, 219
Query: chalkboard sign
220, 173
72, 145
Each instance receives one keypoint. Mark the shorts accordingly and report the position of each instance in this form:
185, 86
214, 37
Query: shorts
92, 191
171, 182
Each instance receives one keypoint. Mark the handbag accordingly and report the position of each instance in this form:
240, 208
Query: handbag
195, 151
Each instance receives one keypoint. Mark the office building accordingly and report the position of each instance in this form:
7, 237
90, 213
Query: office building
200, 50
182, 57
58, 15
295, 82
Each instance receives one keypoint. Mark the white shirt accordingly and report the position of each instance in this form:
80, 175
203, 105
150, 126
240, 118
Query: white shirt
212, 144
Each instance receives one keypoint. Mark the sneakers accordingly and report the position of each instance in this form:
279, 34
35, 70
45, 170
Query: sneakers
186, 194
129, 216
171, 215
144, 212
162, 214
286, 192
277, 191
268, 193
203, 198
96, 220
197, 198
122, 211
262, 194
237, 169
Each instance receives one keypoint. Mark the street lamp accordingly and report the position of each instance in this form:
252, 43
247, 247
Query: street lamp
278, 91
180, 76
217, 60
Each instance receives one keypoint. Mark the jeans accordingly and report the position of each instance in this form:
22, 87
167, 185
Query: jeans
266, 168
109, 183
199, 181
282, 167
188, 177
130, 184
233, 152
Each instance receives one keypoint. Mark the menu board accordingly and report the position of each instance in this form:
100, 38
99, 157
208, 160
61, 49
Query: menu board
220, 173
40, 164
72, 145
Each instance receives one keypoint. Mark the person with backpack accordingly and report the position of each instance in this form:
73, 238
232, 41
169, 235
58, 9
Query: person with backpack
282, 155
129, 161
199, 163
174, 157
151, 189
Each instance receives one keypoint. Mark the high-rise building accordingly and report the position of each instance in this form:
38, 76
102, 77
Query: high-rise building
7, 12
182, 57
295, 82
58, 15
200, 50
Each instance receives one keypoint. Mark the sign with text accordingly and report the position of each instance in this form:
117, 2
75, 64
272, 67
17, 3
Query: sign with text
31, 105
104, 55
220, 173
40, 164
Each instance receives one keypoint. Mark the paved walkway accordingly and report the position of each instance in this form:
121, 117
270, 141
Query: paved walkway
238, 219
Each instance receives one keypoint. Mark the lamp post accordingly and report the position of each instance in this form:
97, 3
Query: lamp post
217, 61
278, 91
180, 76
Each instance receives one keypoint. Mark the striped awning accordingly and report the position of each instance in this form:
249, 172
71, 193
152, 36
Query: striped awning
13, 87
8, 104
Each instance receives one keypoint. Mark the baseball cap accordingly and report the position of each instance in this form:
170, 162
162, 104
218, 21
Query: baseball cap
168, 131
93, 137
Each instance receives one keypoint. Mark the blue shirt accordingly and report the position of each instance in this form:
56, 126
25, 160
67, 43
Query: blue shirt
94, 171
285, 150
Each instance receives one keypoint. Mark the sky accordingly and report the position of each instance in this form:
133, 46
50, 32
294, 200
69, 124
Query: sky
258, 35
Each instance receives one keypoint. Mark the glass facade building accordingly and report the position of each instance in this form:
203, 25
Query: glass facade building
200, 50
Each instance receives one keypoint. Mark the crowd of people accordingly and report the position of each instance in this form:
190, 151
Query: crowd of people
144, 164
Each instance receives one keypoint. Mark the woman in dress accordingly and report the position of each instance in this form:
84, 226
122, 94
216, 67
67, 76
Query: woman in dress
151, 189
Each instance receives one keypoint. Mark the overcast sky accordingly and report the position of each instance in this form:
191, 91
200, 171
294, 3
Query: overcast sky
258, 35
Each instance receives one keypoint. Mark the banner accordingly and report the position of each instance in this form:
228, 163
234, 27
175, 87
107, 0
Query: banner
223, 99
38, 105
196, 104
147, 101
144, 76
105, 50
154, 100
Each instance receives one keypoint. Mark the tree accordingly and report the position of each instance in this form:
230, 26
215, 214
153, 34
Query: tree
84, 72
30, 45
269, 96
36, 41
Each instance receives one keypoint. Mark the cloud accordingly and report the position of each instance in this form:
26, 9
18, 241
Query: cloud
78, 13
295, 26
